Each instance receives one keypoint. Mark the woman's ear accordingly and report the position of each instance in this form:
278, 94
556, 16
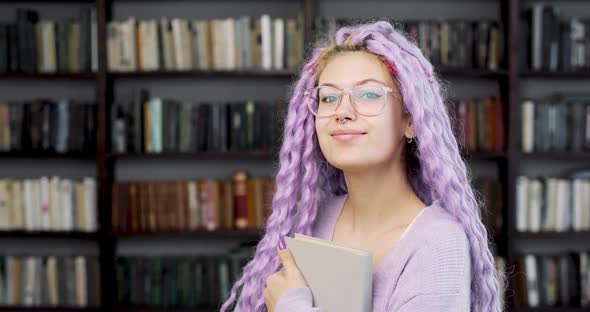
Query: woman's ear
409, 132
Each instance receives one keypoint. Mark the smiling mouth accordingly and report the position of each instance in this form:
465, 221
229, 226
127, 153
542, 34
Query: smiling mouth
347, 136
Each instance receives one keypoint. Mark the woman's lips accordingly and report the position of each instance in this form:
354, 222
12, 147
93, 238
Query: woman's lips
346, 135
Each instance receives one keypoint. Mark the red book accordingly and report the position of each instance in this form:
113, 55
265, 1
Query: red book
240, 199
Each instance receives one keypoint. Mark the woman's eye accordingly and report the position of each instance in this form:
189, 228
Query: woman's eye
329, 98
370, 96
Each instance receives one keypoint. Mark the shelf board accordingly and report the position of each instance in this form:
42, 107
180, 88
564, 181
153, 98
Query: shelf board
569, 235
263, 155
458, 72
585, 73
49, 234
555, 156
47, 154
207, 74
248, 233
46, 76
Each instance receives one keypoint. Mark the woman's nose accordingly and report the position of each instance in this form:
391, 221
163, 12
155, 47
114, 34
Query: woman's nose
345, 107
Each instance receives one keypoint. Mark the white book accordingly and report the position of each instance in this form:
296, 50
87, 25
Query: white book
37, 206
528, 126
28, 204
522, 215
182, 44
29, 281
129, 45
203, 37
245, 51
44, 204
167, 44
219, 56
550, 202
563, 213
532, 280
90, 204
66, 205
54, 204
265, 26
230, 44
279, 44
578, 215
150, 55
535, 205
340, 277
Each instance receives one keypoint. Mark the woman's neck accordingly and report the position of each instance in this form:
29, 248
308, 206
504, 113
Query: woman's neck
380, 199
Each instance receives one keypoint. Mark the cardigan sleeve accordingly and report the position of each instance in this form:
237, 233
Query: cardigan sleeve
437, 277
296, 300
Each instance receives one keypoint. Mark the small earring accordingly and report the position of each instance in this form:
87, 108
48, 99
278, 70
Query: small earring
410, 140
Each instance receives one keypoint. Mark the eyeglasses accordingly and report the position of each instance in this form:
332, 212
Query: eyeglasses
367, 100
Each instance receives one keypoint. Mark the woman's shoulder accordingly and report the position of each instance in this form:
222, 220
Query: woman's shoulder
439, 257
439, 226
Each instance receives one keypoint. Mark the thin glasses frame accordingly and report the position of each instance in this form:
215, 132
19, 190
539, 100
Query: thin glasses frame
308, 93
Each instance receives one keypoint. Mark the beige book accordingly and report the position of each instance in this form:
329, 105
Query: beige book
52, 289
80, 211
340, 277
18, 207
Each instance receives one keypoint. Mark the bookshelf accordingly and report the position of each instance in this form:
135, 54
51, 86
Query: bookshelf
509, 162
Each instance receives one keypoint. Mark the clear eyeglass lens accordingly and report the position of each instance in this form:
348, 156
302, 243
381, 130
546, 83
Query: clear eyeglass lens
367, 99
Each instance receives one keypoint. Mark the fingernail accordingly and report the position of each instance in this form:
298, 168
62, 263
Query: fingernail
282, 245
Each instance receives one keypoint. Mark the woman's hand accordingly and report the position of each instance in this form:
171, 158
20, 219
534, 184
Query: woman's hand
279, 283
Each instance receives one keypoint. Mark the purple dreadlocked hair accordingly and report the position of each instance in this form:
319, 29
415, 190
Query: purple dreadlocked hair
304, 176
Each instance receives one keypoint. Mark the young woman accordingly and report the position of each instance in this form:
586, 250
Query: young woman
369, 159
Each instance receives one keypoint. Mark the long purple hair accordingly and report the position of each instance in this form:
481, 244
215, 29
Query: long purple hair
304, 178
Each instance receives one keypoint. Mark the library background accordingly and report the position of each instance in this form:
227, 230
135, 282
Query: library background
130, 130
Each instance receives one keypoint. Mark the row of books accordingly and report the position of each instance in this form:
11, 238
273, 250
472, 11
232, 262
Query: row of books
490, 191
33, 45
155, 125
553, 204
48, 204
164, 206
453, 43
49, 281
557, 123
176, 44
188, 281
553, 41
47, 125
481, 124
553, 280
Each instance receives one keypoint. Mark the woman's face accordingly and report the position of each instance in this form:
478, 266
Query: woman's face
382, 137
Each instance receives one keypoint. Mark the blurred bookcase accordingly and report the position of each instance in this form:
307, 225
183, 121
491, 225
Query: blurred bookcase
509, 160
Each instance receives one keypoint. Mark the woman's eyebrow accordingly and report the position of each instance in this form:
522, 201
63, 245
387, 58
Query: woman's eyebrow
356, 83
